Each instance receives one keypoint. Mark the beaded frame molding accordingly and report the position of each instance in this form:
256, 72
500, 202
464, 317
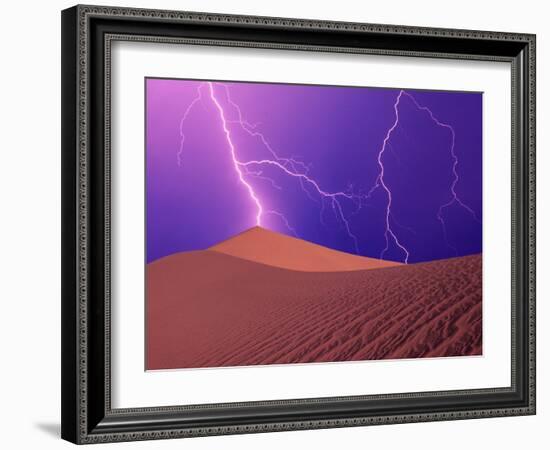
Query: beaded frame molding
87, 35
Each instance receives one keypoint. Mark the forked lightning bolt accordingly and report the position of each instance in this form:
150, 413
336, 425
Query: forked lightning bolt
380, 183
296, 169
290, 167
455, 199
236, 163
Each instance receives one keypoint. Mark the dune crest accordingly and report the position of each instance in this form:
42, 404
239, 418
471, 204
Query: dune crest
278, 250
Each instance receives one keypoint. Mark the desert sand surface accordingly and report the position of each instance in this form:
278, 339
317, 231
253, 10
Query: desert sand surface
210, 309
268, 247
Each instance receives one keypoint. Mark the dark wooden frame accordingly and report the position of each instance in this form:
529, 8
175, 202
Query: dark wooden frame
87, 32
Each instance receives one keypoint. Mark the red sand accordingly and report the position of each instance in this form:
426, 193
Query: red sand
267, 247
207, 309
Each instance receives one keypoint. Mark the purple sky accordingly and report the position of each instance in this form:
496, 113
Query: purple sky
306, 161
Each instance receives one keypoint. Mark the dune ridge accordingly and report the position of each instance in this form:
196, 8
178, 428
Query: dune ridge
278, 250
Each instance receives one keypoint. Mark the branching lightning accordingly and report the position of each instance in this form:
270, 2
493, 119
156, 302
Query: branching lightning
290, 167
283, 219
197, 99
379, 182
236, 163
293, 168
455, 199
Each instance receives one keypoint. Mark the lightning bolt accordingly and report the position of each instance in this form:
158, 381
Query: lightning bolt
389, 233
299, 171
236, 163
284, 220
455, 199
332, 196
250, 129
380, 182
290, 167
196, 100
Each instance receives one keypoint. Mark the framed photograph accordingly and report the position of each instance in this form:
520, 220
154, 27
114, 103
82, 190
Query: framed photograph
268, 222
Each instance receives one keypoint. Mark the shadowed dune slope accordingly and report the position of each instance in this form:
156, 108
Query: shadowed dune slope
207, 309
275, 249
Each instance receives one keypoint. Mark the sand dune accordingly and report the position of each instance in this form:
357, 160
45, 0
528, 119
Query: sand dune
209, 309
275, 249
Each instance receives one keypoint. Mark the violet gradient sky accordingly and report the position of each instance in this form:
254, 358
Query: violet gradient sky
195, 197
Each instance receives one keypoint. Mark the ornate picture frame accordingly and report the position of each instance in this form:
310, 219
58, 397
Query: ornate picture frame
88, 415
